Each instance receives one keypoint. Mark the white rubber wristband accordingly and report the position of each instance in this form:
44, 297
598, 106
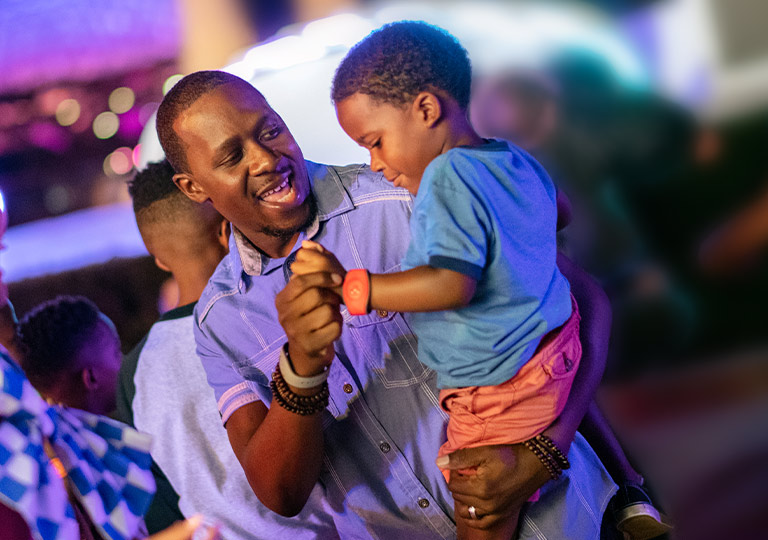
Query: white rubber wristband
297, 381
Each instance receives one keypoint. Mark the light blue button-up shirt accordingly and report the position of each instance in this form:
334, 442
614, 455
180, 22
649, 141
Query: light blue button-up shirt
383, 425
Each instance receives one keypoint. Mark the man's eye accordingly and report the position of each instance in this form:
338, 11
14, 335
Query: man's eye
233, 157
271, 133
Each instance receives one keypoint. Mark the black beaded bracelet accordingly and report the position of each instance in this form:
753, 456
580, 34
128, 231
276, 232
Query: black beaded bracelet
295, 403
549, 454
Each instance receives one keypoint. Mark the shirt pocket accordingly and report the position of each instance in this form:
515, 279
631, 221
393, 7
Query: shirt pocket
388, 347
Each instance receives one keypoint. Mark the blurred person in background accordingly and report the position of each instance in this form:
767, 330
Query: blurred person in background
70, 352
66, 474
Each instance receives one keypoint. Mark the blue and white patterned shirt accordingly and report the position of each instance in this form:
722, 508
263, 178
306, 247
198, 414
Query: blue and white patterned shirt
383, 425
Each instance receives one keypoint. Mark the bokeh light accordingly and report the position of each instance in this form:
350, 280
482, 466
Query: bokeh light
171, 81
121, 100
105, 125
57, 199
136, 155
67, 112
119, 162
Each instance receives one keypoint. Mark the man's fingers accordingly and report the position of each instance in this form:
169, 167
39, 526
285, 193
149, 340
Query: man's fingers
310, 245
300, 284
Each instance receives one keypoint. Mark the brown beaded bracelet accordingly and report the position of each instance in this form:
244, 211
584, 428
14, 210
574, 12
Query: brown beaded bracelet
295, 403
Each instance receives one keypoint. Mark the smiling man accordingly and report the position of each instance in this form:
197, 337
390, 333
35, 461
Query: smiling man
349, 425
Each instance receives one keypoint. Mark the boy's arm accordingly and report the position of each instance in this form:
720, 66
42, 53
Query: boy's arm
420, 289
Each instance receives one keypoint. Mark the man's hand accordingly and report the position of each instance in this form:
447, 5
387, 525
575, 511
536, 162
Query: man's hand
496, 480
312, 257
308, 311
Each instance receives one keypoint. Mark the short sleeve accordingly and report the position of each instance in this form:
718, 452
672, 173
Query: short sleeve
451, 222
232, 391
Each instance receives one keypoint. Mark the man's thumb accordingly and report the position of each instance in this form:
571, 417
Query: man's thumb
459, 459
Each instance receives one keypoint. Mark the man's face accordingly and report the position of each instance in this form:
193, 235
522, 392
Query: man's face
243, 159
394, 136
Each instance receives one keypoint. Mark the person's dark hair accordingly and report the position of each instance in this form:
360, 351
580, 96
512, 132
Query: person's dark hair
399, 60
52, 333
177, 100
151, 184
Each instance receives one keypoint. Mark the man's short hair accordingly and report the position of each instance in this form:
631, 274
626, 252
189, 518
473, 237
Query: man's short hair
177, 100
399, 60
52, 334
155, 196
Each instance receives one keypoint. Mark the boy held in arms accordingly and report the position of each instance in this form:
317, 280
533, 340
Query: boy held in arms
493, 313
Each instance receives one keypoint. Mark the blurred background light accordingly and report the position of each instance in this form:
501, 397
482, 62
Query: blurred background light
121, 100
57, 199
119, 162
171, 81
67, 112
105, 125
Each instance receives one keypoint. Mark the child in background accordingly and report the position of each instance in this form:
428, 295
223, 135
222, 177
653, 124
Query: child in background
493, 313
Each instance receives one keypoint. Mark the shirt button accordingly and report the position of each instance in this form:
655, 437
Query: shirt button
385, 447
382, 313
347, 388
424, 503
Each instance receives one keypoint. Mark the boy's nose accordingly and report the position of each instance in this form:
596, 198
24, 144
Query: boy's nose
376, 164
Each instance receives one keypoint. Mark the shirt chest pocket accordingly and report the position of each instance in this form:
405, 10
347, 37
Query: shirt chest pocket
387, 346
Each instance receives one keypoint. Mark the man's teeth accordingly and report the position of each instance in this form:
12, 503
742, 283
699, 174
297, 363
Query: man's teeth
278, 188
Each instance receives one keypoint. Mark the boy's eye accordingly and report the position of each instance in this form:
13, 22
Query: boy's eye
376, 144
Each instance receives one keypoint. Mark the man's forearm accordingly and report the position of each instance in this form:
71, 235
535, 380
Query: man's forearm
281, 456
595, 311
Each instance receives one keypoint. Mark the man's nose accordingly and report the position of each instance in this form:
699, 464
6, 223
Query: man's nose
261, 159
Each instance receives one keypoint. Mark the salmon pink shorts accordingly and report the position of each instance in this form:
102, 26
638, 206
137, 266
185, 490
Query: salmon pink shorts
522, 407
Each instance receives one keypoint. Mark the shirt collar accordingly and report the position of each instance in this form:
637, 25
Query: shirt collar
332, 199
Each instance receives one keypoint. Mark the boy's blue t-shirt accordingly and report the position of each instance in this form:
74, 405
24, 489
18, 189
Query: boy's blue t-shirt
488, 212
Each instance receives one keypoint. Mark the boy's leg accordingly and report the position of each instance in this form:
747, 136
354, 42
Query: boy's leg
601, 437
634, 512
506, 530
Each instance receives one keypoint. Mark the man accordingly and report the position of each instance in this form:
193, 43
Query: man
373, 447
162, 388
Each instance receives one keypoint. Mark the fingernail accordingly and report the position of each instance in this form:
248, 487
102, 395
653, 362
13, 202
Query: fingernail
336, 278
442, 461
195, 521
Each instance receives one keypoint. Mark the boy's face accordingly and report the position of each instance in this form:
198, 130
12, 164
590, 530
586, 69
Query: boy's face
243, 159
396, 137
101, 354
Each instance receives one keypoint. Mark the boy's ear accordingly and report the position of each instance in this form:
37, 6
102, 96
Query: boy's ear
428, 108
161, 265
89, 379
189, 187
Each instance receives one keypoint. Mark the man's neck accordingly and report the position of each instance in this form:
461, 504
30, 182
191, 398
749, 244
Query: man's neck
273, 247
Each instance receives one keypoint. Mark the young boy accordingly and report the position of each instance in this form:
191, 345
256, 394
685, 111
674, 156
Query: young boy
494, 315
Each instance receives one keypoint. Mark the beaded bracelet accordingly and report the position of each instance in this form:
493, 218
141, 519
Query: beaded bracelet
549, 454
295, 403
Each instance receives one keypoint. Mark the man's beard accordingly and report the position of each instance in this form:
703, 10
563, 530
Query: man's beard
287, 234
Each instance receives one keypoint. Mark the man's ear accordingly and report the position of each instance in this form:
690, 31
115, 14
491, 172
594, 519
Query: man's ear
190, 187
428, 108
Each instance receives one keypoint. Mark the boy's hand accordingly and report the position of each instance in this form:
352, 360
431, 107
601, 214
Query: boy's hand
312, 257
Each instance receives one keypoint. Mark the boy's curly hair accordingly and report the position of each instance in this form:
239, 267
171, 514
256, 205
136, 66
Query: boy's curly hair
399, 60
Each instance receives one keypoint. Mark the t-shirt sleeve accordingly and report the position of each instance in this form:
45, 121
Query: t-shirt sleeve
451, 222
232, 391
126, 387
